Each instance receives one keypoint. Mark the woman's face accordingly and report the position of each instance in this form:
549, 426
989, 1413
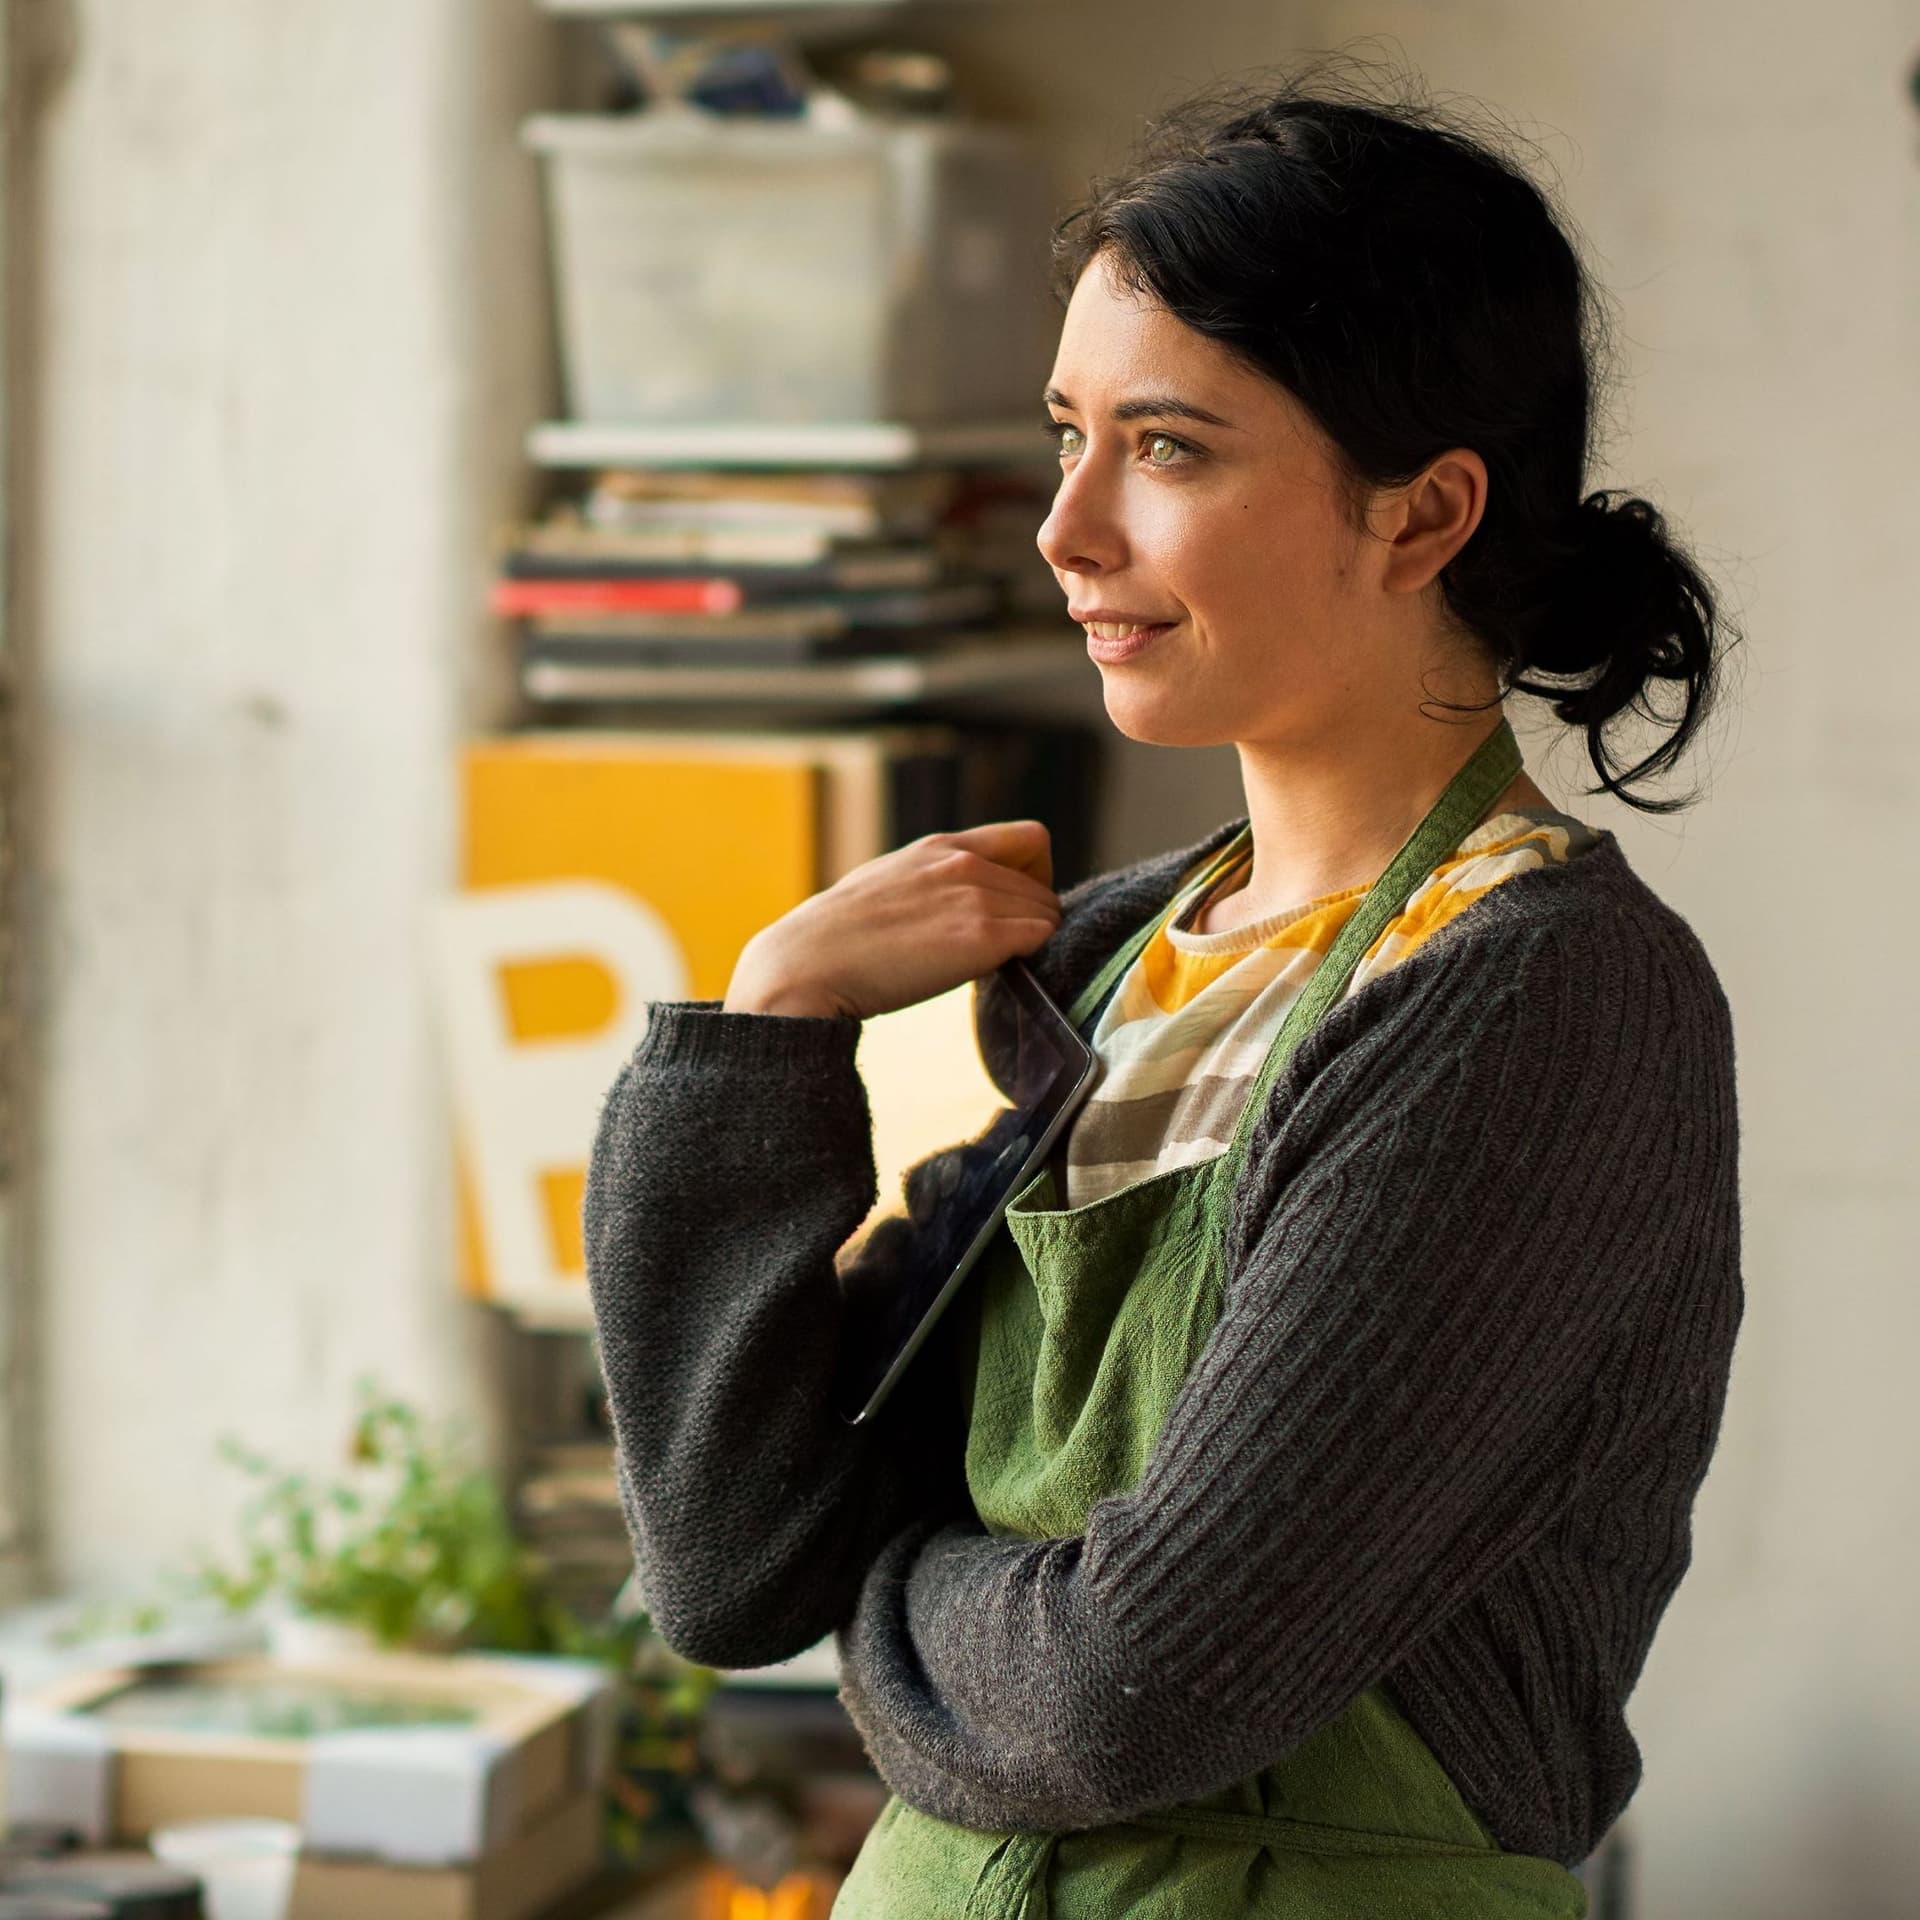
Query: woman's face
1198, 500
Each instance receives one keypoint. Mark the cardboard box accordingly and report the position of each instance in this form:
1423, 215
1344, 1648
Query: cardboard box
415, 1760
515, 1882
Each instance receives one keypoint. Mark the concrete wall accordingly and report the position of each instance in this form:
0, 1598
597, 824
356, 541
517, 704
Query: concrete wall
278, 376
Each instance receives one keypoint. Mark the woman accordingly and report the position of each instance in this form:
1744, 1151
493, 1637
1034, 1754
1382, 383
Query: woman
1285, 1519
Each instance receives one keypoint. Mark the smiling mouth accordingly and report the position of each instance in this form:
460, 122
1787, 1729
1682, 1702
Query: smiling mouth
1110, 642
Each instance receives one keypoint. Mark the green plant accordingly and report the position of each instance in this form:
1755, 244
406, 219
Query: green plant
414, 1544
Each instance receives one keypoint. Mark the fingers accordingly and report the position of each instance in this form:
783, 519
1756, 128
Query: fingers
1033, 934
1025, 846
1006, 883
943, 909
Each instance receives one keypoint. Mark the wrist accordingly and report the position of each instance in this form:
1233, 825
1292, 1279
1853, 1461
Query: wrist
765, 984
758, 986
792, 1003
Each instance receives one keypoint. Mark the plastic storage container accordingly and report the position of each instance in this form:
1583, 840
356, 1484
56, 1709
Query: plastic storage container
717, 269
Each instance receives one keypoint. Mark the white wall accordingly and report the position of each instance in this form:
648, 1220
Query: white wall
278, 378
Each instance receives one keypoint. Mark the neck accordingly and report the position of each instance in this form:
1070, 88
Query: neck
1328, 817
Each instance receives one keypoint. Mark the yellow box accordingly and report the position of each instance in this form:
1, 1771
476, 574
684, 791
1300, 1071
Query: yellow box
600, 872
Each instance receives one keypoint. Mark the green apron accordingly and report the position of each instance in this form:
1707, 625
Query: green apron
1089, 1318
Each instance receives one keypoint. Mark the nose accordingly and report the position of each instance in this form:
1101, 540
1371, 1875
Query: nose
1082, 531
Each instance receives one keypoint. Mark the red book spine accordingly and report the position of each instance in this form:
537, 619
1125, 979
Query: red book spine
524, 599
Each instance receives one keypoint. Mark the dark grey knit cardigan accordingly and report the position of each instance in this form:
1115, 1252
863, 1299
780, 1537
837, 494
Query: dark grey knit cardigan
1483, 1291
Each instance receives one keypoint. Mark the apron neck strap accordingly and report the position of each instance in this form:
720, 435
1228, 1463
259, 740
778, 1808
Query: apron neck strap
1094, 995
1486, 775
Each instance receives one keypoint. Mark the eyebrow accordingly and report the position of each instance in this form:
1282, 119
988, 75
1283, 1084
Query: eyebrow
1149, 406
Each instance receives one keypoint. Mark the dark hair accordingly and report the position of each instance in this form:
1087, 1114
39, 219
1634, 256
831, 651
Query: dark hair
1414, 289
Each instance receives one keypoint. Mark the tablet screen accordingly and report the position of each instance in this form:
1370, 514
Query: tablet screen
995, 1067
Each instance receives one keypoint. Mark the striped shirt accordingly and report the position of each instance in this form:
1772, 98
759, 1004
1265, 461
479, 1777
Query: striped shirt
1184, 1036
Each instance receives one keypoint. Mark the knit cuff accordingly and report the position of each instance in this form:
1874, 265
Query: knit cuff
699, 1035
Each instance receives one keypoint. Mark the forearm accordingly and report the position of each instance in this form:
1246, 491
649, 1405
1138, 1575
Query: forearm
993, 1692
732, 1161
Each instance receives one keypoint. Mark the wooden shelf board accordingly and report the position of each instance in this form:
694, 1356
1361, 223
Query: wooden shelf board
876, 444
885, 681
673, 9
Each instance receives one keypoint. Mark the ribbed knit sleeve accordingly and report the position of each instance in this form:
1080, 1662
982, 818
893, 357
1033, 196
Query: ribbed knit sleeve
1473, 1193
732, 1160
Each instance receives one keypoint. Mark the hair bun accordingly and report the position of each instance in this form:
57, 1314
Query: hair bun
1626, 609
1609, 519
1616, 589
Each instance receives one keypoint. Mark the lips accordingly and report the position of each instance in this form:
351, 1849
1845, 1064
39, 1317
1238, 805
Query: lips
1109, 643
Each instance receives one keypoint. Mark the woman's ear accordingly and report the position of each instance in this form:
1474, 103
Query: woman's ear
1429, 519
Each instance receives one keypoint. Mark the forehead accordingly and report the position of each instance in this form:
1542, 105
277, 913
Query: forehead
1114, 339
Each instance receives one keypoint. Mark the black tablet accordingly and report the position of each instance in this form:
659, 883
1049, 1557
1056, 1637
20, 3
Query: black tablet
907, 1264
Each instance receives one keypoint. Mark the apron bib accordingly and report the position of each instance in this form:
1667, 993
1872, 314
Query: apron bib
1088, 1320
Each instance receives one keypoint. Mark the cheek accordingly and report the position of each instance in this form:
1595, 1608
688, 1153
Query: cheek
1234, 558
1201, 548
1303, 553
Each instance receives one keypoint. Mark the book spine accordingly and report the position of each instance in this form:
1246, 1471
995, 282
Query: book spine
913, 569
923, 793
522, 599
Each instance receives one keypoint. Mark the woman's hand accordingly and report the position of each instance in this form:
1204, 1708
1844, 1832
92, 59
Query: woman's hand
940, 911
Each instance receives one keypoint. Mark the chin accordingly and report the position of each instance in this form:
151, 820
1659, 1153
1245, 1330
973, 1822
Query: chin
1160, 715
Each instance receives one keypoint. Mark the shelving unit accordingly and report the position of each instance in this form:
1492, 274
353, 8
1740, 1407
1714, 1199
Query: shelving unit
917, 728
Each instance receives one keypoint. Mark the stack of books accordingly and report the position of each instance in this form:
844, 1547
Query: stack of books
569, 1513
674, 567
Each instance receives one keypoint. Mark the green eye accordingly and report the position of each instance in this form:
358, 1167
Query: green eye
1163, 440
1062, 430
